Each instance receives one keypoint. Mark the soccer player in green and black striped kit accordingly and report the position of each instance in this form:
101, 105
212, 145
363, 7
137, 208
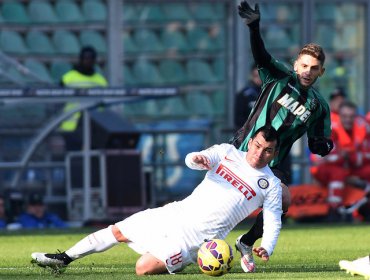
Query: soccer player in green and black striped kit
290, 104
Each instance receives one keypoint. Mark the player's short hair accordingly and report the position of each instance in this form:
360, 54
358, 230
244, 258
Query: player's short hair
315, 51
269, 133
348, 104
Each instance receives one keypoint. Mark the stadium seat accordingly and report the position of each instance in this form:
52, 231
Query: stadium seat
198, 39
147, 40
199, 103
12, 77
150, 12
325, 11
129, 45
129, 13
199, 71
146, 73
218, 67
94, 10
14, 12
12, 42
172, 71
42, 12
38, 69
58, 69
176, 11
68, 11
277, 37
203, 11
218, 101
173, 106
174, 40
128, 78
94, 39
66, 42
220, 11
39, 43
325, 35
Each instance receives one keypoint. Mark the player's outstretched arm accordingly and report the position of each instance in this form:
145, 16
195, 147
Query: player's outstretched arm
252, 18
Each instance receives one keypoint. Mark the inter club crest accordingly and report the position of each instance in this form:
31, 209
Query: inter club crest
263, 183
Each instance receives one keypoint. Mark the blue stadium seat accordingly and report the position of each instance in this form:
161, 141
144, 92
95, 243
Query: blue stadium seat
277, 37
94, 10
150, 12
198, 39
129, 45
39, 43
66, 42
146, 73
130, 12
325, 11
176, 11
219, 102
172, 71
14, 12
219, 68
173, 106
94, 39
58, 69
38, 69
203, 11
147, 40
174, 40
128, 77
199, 71
325, 35
199, 103
68, 11
41, 11
12, 42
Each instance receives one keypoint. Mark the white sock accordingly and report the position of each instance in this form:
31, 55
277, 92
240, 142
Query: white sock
96, 242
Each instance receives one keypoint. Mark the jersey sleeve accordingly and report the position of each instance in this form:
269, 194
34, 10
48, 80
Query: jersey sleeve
214, 154
322, 125
269, 68
272, 211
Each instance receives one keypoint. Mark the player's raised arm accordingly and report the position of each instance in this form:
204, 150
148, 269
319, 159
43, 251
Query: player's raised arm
252, 19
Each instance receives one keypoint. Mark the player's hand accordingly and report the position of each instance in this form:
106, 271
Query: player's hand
320, 145
202, 161
251, 17
262, 253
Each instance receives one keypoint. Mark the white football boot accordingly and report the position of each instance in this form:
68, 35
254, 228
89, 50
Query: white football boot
360, 266
59, 260
247, 260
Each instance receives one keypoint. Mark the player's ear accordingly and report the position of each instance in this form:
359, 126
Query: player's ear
322, 71
249, 143
295, 66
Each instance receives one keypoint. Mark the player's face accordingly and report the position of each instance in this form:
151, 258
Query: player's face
260, 152
308, 70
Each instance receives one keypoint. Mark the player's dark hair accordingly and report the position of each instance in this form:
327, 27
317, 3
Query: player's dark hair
269, 133
348, 104
315, 51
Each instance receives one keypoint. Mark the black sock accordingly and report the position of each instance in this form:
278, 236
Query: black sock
256, 231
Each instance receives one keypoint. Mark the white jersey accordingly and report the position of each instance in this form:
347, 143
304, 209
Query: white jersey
230, 192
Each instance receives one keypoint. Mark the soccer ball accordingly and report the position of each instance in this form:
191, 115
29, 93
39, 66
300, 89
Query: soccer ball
215, 257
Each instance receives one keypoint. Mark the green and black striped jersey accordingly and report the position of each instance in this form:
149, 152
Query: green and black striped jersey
286, 106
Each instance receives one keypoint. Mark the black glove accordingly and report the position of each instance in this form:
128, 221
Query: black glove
320, 145
251, 17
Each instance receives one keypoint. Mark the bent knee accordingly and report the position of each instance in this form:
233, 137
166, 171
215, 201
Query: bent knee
286, 198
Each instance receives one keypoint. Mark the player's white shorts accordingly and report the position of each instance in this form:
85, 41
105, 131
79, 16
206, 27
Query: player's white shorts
152, 231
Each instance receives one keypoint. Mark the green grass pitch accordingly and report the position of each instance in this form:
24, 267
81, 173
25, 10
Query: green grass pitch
303, 252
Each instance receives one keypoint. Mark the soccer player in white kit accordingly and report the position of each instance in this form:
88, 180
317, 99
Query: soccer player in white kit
168, 237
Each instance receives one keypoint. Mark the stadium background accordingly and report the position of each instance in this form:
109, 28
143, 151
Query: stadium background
198, 50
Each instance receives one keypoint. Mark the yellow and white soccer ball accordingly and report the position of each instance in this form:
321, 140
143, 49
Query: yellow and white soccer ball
215, 257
